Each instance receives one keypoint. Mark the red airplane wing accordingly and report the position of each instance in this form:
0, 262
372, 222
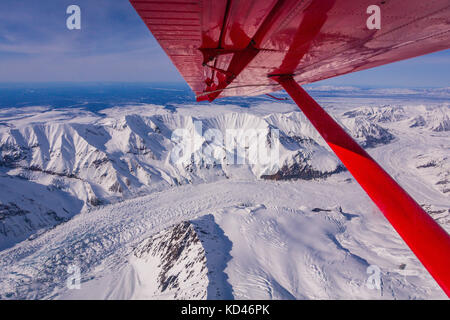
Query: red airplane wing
244, 41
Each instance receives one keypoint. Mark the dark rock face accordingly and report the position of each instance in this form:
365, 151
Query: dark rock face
11, 154
171, 247
301, 168
430, 164
299, 171
116, 187
418, 121
385, 137
10, 210
187, 261
443, 126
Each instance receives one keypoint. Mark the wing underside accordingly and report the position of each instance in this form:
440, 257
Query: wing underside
232, 47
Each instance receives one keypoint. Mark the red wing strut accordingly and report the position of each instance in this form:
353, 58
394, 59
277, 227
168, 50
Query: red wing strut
251, 47
429, 242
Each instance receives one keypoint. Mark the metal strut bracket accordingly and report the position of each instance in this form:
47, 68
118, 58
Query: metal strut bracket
426, 238
225, 72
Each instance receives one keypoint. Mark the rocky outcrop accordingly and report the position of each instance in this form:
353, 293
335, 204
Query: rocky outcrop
185, 261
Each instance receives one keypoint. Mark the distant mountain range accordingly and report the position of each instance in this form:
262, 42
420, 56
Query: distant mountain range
56, 163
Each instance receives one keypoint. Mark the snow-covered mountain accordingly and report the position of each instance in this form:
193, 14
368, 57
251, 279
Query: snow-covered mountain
437, 120
76, 163
103, 191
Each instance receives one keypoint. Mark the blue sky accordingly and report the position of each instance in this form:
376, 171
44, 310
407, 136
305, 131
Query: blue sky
115, 45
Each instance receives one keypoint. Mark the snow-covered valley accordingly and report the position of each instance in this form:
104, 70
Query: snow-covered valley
100, 192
